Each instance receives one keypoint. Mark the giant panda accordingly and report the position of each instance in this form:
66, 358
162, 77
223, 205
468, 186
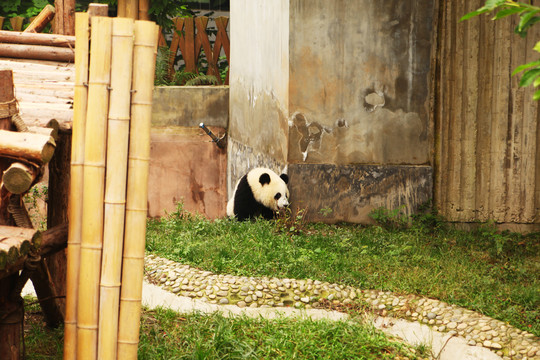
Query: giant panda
261, 192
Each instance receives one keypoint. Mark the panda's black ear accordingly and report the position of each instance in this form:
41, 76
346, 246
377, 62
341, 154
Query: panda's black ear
285, 178
264, 179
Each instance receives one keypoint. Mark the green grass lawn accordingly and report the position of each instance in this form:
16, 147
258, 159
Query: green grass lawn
167, 335
494, 273
497, 274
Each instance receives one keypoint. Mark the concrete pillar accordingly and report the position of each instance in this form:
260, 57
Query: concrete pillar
337, 91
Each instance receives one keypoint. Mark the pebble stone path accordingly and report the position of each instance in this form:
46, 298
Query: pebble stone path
479, 330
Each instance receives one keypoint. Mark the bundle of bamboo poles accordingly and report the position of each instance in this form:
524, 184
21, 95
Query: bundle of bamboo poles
108, 189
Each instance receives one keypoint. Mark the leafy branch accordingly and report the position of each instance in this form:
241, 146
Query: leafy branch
529, 15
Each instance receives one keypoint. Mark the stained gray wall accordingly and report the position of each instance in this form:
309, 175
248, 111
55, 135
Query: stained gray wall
359, 76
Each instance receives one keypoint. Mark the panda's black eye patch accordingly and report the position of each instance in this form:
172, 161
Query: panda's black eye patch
277, 196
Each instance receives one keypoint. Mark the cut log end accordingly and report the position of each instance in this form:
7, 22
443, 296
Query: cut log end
18, 178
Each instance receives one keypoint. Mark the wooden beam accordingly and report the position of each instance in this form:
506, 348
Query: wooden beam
37, 52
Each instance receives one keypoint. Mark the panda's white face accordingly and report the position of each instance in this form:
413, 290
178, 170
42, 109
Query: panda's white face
269, 189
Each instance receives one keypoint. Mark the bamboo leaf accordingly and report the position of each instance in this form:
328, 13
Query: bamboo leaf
536, 95
536, 82
527, 20
537, 46
506, 12
473, 14
520, 68
529, 76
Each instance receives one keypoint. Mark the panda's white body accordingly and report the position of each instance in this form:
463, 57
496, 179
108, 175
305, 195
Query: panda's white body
261, 192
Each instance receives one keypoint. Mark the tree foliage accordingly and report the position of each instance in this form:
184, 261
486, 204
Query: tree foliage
529, 15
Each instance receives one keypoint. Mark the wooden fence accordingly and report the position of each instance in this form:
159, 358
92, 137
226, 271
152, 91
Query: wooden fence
487, 153
191, 36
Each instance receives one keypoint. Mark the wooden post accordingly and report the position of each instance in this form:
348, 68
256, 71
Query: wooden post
57, 208
64, 21
10, 320
10, 310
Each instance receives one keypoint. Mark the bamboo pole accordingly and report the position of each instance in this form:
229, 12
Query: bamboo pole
76, 184
146, 35
94, 177
132, 9
144, 6
115, 186
121, 8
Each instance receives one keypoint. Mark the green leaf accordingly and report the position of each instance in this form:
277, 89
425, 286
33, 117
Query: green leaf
520, 68
506, 12
529, 76
525, 18
536, 95
474, 13
536, 82
537, 47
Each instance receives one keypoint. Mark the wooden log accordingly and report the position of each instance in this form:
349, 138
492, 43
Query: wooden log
43, 18
44, 131
76, 184
37, 52
94, 180
33, 235
146, 36
17, 37
18, 178
115, 186
32, 147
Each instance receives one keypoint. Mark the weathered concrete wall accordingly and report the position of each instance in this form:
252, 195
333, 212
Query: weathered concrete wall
190, 105
185, 167
259, 32
332, 193
359, 76
184, 164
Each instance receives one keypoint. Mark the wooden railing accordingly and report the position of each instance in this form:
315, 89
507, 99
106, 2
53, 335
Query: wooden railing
190, 37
